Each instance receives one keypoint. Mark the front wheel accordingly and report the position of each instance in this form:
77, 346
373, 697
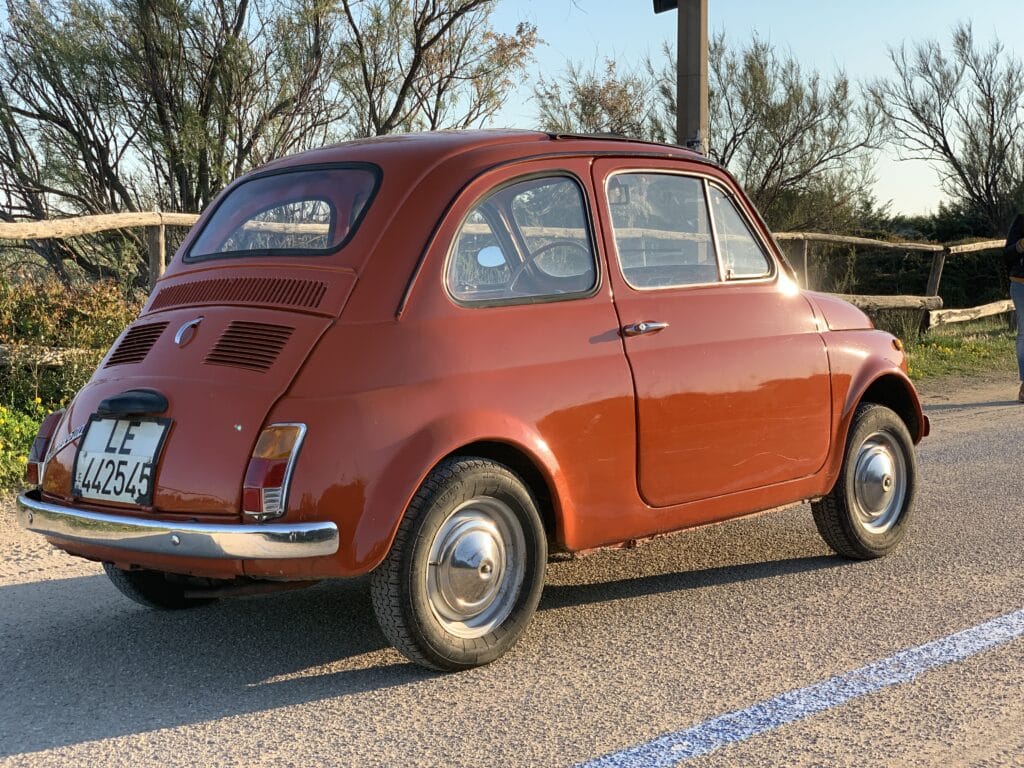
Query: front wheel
466, 569
866, 513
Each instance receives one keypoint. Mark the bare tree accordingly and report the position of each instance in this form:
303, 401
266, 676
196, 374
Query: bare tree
605, 101
121, 105
427, 63
964, 111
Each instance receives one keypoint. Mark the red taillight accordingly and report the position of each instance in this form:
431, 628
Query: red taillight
37, 453
265, 490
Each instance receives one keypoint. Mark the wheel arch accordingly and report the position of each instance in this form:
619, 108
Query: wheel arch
367, 539
527, 468
895, 392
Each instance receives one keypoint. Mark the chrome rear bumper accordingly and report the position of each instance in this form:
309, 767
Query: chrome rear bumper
269, 541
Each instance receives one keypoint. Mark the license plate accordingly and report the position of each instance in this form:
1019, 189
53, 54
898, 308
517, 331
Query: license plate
117, 459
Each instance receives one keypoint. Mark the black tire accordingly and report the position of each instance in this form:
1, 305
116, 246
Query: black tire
866, 514
471, 531
152, 589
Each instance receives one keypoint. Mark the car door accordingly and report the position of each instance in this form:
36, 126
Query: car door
730, 373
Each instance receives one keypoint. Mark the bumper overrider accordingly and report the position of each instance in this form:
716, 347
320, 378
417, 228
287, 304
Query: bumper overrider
265, 541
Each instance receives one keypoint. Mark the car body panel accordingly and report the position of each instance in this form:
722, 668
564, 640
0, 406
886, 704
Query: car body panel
391, 375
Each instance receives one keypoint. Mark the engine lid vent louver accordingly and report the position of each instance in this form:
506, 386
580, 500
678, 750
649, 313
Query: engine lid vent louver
254, 346
288, 292
135, 344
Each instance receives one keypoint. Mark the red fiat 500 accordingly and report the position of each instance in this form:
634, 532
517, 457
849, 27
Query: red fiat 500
437, 358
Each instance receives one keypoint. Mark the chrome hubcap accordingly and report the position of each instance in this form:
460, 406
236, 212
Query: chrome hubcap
879, 483
475, 568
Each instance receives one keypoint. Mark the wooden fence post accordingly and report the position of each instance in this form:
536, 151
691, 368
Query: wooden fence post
156, 244
807, 273
935, 276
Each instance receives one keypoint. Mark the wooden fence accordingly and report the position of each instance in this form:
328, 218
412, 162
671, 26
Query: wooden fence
797, 246
154, 223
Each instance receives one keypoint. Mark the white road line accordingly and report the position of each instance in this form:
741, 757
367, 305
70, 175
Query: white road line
788, 707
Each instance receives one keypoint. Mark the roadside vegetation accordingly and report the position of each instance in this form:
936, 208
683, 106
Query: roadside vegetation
964, 349
51, 338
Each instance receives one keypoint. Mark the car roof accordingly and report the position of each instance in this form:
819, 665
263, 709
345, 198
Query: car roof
434, 147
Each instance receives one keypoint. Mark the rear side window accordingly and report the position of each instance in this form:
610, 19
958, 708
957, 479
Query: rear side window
526, 242
662, 233
301, 212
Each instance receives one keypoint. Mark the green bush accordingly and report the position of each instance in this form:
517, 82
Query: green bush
48, 313
968, 280
17, 431
54, 336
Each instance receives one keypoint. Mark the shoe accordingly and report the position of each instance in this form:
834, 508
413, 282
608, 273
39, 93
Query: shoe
1020, 395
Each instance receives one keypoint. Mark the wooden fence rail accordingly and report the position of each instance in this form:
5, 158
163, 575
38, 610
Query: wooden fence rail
796, 245
154, 223
797, 248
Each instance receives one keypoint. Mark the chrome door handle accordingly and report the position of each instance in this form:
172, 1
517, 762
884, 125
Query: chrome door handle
647, 326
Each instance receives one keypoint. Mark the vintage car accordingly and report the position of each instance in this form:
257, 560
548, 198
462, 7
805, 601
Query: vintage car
437, 358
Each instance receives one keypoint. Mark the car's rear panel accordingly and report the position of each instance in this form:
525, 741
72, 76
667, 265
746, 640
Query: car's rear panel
222, 347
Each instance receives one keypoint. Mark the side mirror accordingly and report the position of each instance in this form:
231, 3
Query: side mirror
490, 257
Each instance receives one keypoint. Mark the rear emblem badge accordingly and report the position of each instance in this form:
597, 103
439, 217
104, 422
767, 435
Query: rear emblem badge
187, 332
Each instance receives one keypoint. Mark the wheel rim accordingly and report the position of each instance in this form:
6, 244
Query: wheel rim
475, 568
879, 483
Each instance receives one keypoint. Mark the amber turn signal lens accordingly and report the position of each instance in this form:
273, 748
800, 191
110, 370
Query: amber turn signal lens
265, 488
277, 441
897, 345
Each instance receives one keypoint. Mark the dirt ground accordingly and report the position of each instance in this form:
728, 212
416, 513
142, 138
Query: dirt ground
957, 390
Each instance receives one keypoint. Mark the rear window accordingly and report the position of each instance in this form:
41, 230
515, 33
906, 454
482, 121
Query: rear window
300, 212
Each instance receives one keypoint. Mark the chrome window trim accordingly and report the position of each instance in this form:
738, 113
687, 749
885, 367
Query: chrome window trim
707, 179
773, 268
706, 188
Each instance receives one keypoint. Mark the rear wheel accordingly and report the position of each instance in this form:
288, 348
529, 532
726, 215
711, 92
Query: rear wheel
866, 513
153, 589
466, 569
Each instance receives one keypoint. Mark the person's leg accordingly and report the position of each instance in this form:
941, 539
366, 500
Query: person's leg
1017, 295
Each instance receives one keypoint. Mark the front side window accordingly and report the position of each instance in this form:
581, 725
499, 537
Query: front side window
525, 242
742, 255
305, 212
662, 233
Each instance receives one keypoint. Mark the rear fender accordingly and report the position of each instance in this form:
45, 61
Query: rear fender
376, 482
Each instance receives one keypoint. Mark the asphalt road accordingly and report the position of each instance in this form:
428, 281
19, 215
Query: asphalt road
627, 646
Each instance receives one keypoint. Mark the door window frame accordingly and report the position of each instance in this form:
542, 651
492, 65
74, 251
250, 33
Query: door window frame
589, 221
707, 181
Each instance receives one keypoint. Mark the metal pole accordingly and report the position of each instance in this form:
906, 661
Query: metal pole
692, 75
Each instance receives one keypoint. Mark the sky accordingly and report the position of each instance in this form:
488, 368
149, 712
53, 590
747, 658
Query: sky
822, 35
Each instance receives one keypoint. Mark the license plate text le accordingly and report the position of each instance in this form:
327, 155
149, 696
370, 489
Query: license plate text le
117, 460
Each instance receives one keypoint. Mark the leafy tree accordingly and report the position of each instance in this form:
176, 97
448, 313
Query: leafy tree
123, 105
606, 101
963, 110
799, 142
